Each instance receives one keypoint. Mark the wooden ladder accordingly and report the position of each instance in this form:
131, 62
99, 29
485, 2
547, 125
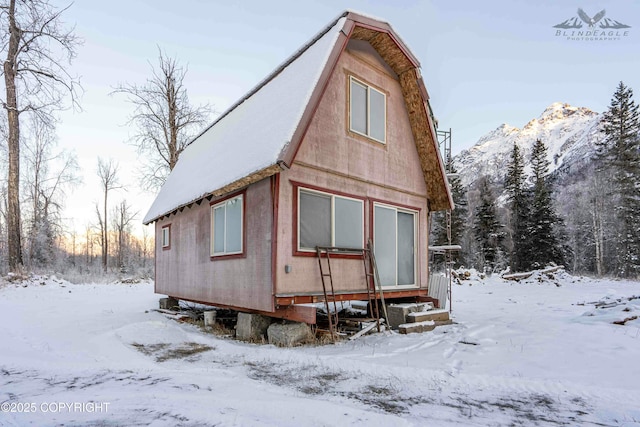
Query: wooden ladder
370, 272
371, 279
375, 283
329, 297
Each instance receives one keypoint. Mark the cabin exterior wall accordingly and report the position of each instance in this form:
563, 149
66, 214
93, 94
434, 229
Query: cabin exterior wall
187, 271
334, 159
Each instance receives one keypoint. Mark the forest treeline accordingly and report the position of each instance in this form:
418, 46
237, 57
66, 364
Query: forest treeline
588, 220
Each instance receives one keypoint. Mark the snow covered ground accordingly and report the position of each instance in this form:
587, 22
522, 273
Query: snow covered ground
539, 352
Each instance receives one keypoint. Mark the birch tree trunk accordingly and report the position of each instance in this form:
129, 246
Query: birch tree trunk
35, 82
13, 143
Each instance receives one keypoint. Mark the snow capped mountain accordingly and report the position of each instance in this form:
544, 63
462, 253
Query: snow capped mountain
568, 132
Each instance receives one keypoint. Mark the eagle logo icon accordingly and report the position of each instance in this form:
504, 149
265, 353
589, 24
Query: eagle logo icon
591, 22
598, 20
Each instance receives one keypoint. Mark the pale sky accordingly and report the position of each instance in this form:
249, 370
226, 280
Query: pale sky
484, 63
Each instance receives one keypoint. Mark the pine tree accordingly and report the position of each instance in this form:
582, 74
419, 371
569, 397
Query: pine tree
619, 156
519, 206
545, 226
487, 229
459, 215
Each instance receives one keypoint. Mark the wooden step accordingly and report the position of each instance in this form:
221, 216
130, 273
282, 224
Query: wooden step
370, 327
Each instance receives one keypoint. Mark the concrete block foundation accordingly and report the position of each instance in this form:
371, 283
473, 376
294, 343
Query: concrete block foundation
252, 327
435, 315
169, 303
417, 327
398, 312
289, 334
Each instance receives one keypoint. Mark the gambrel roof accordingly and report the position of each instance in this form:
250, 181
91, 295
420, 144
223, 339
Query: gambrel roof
259, 135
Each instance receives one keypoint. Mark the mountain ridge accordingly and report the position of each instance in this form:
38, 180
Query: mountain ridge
569, 133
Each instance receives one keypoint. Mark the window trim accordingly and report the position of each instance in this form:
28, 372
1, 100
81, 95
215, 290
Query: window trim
166, 227
297, 187
243, 236
368, 88
416, 238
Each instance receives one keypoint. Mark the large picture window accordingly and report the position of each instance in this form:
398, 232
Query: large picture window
227, 227
394, 241
367, 110
326, 219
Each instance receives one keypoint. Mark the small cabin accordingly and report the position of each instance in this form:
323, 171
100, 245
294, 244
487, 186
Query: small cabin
335, 148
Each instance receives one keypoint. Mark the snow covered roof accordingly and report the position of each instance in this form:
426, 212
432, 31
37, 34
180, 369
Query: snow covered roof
257, 136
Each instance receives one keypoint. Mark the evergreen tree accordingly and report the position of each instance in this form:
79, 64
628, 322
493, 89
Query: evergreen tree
487, 229
519, 206
545, 226
459, 215
619, 156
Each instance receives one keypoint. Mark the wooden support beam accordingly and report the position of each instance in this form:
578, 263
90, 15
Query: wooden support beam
282, 300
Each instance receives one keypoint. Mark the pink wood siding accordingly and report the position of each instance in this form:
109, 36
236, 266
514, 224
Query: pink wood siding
332, 157
187, 271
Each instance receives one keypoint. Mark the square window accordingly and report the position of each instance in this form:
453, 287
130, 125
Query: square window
227, 227
367, 111
329, 220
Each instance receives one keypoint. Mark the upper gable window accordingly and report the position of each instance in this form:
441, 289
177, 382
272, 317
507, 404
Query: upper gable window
367, 110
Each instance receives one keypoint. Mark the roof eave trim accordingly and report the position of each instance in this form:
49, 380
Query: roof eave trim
233, 186
443, 171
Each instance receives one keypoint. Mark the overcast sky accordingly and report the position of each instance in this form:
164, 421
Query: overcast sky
484, 62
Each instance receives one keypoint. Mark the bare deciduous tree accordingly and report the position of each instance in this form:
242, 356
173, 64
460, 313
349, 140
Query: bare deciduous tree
37, 49
3, 195
123, 217
164, 119
598, 205
3, 227
108, 173
48, 174
146, 246
88, 239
